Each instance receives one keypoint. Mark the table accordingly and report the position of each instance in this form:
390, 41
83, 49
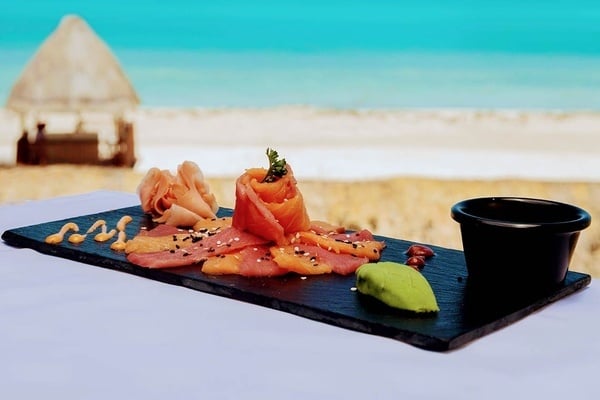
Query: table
75, 331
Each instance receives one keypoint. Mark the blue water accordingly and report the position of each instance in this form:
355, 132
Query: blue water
341, 54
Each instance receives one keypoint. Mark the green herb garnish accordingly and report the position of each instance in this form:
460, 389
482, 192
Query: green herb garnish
277, 167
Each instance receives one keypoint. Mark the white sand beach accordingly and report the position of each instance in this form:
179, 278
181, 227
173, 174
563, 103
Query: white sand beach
347, 145
334, 144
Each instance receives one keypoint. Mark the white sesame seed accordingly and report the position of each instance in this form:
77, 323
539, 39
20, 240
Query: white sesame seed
303, 278
353, 289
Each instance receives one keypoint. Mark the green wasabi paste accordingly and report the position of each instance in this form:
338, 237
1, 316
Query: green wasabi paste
396, 285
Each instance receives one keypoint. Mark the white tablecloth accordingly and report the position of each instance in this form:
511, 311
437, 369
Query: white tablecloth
74, 331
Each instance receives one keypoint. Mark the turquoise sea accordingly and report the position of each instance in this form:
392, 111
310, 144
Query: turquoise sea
334, 53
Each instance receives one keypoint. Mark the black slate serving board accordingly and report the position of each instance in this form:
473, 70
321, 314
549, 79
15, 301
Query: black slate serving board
464, 314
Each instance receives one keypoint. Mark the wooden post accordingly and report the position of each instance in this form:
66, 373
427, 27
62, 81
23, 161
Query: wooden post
125, 154
129, 153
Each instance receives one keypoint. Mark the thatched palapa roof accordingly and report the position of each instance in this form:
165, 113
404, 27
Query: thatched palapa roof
73, 71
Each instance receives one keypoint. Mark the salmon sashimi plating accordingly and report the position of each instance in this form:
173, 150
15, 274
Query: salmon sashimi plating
269, 234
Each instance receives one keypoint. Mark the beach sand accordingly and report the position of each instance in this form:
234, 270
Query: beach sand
348, 145
394, 172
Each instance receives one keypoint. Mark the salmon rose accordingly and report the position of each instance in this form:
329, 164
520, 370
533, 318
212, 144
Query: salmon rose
271, 210
178, 200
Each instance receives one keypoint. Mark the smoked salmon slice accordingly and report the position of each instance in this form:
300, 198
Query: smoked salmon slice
313, 260
204, 245
370, 249
251, 261
270, 210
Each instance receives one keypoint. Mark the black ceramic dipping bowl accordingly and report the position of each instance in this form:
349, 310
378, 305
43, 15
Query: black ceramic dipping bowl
518, 242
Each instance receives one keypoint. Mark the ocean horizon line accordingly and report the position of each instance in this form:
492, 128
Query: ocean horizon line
195, 109
341, 109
